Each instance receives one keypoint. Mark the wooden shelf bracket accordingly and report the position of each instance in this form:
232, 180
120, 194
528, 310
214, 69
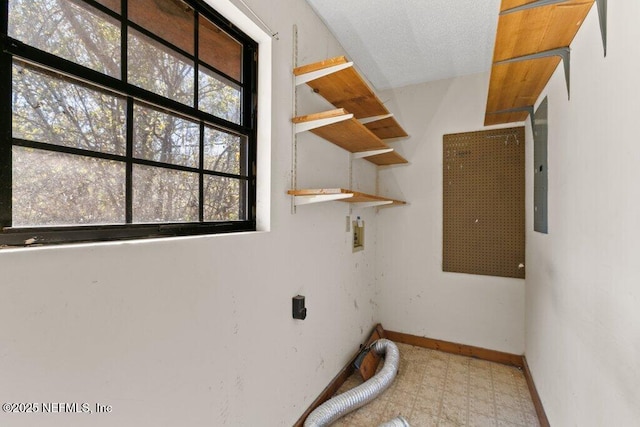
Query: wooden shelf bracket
366, 120
602, 17
363, 154
527, 108
313, 75
372, 204
319, 198
562, 52
533, 4
318, 123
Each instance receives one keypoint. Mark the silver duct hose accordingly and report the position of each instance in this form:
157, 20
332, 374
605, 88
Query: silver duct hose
396, 422
340, 405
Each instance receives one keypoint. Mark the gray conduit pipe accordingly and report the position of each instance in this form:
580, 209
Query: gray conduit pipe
342, 404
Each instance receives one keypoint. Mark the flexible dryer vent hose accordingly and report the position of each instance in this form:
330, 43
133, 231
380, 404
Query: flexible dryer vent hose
342, 404
396, 422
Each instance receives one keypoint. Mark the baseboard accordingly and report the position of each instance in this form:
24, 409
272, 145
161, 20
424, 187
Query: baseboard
461, 349
535, 397
343, 375
328, 392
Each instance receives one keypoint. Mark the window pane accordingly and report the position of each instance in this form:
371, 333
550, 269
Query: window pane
158, 69
222, 151
165, 138
218, 49
51, 188
111, 4
70, 29
218, 96
222, 198
164, 195
170, 19
50, 108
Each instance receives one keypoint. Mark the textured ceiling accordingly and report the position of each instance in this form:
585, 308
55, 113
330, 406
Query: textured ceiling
401, 42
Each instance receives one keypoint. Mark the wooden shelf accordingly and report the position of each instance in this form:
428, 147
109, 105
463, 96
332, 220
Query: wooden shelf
358, 125
521, 34
538, 29
386, 128
339, 83
517, 84
317, 195
342, 129
387, 159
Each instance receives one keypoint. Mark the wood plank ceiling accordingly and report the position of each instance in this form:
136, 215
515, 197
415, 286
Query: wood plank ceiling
518, 84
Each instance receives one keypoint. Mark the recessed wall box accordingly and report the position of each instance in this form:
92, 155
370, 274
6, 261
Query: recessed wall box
358, 235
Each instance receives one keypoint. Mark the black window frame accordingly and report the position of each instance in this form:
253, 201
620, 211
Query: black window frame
11, 48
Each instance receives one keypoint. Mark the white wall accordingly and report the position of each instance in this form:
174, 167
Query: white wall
415, 295
198, 331
582, 286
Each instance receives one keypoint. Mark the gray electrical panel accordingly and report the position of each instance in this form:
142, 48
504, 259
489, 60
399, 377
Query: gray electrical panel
540, 175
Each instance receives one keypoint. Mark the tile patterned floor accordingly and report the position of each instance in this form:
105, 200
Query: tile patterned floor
440, 389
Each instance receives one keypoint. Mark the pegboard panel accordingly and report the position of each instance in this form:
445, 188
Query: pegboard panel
483, 202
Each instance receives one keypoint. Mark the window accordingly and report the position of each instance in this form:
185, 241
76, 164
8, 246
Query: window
124, 119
